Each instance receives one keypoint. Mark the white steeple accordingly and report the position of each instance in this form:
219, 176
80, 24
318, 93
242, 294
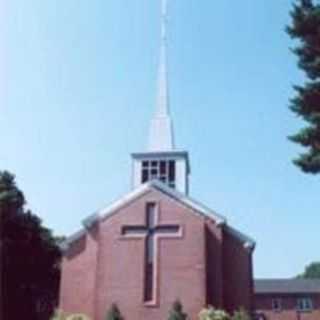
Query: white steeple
162, 161
161, 131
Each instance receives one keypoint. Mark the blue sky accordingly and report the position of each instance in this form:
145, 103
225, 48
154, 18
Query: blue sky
78, 87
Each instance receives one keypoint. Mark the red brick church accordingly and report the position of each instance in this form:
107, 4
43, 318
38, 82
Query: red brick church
156, 244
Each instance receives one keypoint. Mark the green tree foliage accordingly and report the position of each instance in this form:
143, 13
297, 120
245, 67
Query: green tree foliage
29, 258
114, 313
312, 271
305, 27
176, 312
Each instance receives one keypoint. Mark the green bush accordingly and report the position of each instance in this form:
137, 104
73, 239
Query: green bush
241, 314
60, 315
176, 312
211, 313
78, 316
114, 313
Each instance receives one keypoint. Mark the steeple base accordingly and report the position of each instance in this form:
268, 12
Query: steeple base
171, 168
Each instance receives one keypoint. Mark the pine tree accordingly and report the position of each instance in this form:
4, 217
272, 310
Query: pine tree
176, 312
29, 255
114, 313
305, 28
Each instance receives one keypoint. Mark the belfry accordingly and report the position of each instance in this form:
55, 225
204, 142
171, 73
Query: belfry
156, 244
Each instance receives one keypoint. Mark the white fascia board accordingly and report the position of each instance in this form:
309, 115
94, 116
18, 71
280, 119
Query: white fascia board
247, 241
129, 197
106, 212
197, 206
64, 246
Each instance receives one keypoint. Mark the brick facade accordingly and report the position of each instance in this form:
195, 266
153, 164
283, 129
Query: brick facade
288, 310
203, 264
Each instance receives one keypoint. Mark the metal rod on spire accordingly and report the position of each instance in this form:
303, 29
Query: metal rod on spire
164, 19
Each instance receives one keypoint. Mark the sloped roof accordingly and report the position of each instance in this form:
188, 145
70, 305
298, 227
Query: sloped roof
160, 186
287, 286
108, 211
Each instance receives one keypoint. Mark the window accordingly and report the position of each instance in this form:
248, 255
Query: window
172, 171
304, 304
145, 175
164, 170
276, 304
149, 265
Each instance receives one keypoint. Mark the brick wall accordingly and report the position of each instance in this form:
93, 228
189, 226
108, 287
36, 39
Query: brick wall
263, 304
214, 264
237, 274
77, 287
201, 265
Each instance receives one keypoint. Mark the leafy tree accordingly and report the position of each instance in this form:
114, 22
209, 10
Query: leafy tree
29, 275
305, 27
312, 271
114, 313
176, 312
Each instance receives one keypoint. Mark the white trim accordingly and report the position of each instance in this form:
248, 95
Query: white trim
247, 241
158, 185
201, 209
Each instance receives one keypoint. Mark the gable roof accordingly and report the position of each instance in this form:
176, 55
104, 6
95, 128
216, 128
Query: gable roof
287, 286
108, 211
160, 186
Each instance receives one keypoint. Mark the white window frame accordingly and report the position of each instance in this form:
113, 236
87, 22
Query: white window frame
304, 304
156, 168
276, 304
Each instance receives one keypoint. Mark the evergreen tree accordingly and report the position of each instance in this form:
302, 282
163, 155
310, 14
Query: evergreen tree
114, 313
176, 312
305, 28
29, 255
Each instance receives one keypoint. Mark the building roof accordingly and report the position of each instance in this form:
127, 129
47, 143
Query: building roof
157, 185
287, 286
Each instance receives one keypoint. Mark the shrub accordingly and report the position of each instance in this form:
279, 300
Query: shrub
58, 315
78, 316
241, 314
213, 314
176, 312
114, 313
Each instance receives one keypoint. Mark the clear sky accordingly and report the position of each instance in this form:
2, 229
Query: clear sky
77, 91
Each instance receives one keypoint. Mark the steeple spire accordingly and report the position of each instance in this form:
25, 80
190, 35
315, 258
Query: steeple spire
161, 132
162, 161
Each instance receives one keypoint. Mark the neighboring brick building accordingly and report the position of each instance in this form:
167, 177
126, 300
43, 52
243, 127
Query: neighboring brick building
287, 299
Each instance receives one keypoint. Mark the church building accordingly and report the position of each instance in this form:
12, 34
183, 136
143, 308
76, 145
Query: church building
157, 244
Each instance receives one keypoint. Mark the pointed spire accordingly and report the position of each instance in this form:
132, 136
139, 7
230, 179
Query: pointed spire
161, 132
